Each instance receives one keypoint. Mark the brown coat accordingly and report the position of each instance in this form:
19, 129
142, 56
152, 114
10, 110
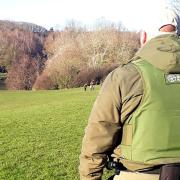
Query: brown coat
119, 97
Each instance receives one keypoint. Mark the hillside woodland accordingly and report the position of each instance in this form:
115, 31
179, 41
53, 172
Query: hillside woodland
34, 58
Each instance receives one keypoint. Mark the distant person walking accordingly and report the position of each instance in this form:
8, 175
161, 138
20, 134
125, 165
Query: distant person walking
85, 87
92, 85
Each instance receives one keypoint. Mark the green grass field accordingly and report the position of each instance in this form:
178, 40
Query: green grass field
41, 133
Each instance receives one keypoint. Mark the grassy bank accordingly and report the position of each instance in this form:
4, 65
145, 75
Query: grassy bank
41, 133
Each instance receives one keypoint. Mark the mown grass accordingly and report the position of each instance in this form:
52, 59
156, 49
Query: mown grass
41, 133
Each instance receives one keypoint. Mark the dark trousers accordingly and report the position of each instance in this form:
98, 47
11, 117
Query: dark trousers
170, 172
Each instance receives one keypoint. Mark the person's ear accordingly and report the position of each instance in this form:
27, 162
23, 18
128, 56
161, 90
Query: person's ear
143, 37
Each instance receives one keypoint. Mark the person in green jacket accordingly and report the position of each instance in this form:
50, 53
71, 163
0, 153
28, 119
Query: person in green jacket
136, 116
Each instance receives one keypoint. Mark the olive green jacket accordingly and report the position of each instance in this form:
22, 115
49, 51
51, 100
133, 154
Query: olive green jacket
119, 97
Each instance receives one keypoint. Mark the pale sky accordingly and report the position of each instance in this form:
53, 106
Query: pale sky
133, 14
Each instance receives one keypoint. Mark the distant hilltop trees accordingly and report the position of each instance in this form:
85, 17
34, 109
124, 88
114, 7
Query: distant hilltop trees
35, 58
21, 53
24, 26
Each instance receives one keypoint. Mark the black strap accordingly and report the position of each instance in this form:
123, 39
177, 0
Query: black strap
111, 178
151, 170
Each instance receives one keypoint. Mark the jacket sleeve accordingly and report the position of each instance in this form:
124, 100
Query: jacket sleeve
103, 130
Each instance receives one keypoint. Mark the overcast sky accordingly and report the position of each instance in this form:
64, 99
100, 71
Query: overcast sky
134, 14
